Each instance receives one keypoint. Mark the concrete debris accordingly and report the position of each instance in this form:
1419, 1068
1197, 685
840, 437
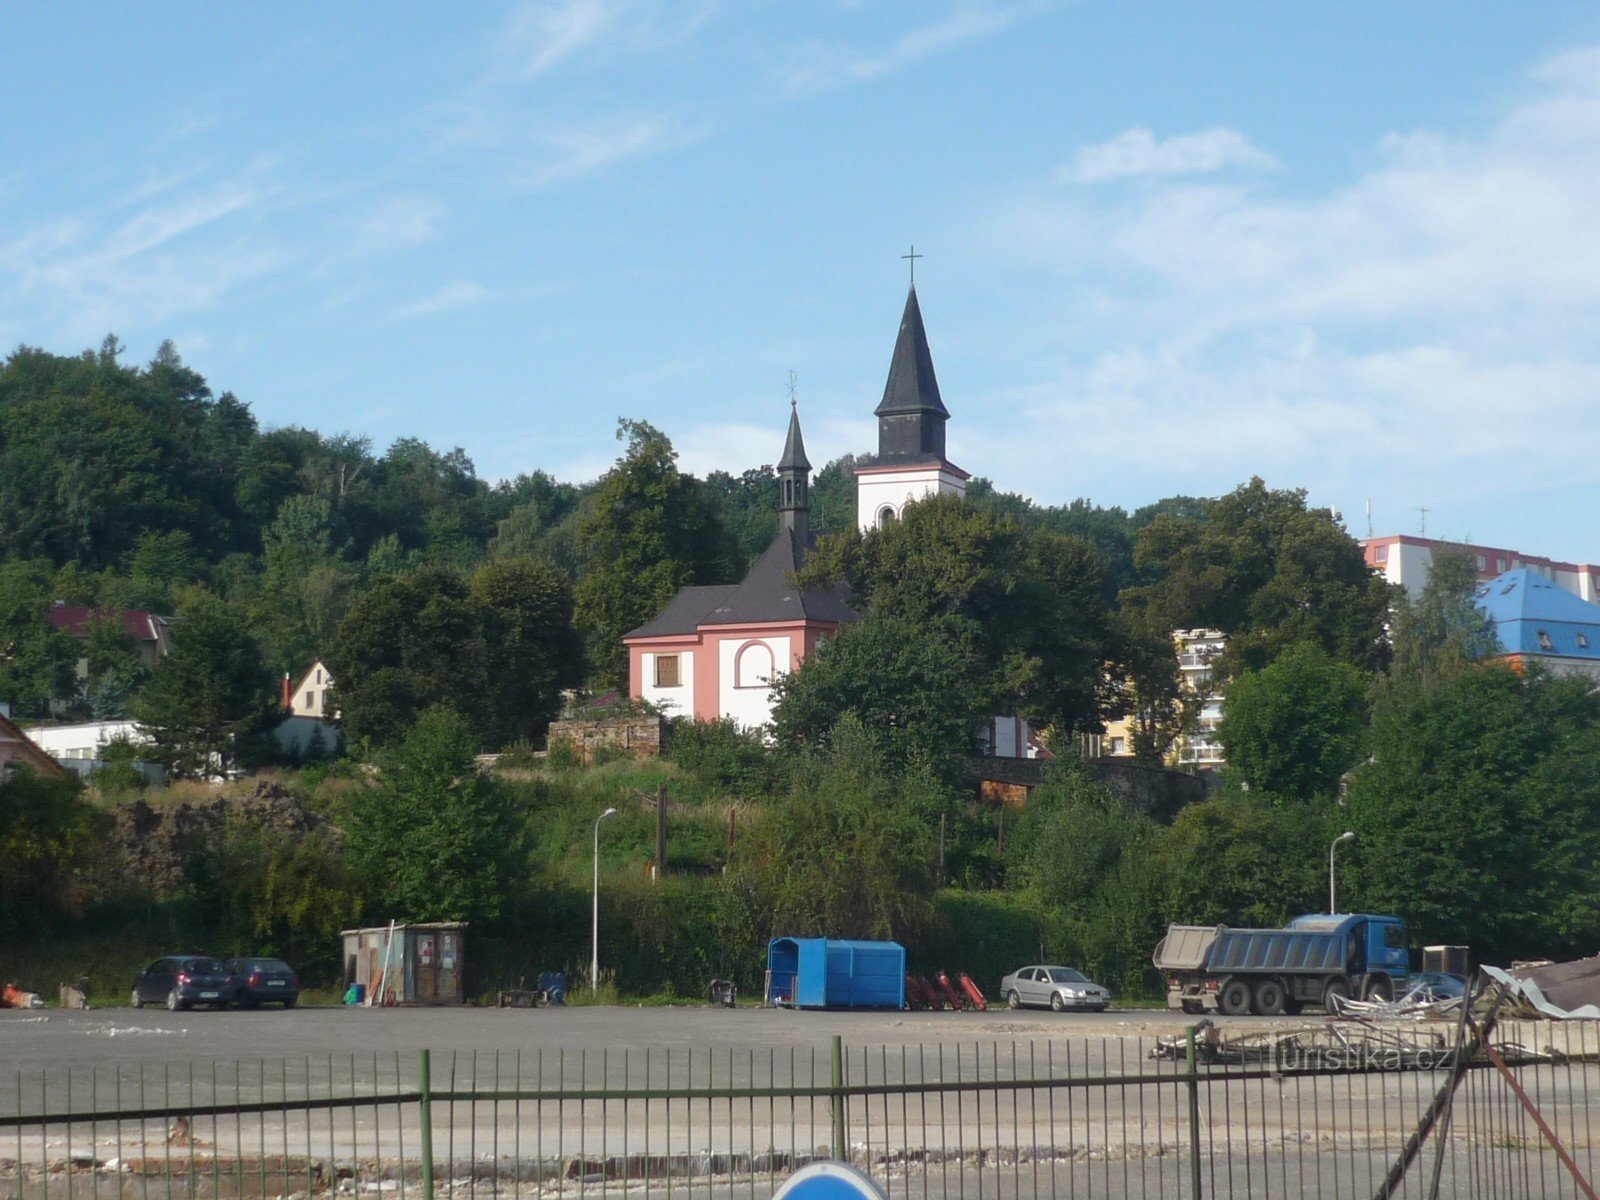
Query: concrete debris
1561, 991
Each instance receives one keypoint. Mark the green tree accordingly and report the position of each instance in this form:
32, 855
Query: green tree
1268, 572
916, 694
433, 839
1293, 727
414, 641
1027, 607
1442, 630
650, 533
37, 663
849, 852
206, 702
1475, 814
535, 651
49, 835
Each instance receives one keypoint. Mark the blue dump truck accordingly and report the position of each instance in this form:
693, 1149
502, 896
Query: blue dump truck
1318, 959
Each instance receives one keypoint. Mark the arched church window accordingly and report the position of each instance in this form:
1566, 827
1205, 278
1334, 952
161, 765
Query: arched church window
788, 493
885, 515
753, 666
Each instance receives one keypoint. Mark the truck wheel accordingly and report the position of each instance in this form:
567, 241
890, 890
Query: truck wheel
1234, 998
1379, 988
1268, 1000
1336, 991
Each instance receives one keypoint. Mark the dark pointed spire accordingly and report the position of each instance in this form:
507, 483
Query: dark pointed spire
794, 447
794, 478
911, 415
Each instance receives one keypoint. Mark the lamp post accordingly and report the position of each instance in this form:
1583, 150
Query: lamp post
1346, 836
594, 959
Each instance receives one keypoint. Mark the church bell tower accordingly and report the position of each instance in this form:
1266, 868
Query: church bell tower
911, 463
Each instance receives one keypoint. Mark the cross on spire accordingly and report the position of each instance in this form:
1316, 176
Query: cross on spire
913, 256
792, 377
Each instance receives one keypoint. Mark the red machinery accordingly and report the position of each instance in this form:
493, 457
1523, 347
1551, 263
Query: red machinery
974, 994
956, 1000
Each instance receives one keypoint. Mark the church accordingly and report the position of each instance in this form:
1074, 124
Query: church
714, 652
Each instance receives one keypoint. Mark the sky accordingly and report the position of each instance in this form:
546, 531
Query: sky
1349, 248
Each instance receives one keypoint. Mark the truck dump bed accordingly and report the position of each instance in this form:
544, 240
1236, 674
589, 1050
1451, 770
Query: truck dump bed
1277, 950
1185, 947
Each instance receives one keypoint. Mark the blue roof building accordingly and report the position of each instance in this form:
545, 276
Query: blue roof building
1537, 621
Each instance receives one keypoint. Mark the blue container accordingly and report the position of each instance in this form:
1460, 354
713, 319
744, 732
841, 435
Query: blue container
826, 973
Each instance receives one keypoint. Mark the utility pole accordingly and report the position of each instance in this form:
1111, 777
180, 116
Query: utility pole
661, 832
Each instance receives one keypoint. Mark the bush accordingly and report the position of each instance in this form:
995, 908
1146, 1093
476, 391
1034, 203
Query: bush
722, 756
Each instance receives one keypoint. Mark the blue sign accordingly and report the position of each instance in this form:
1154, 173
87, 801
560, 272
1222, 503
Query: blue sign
829, 1181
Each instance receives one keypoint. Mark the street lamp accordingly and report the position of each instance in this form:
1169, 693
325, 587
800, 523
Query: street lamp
1346, 836
594, 959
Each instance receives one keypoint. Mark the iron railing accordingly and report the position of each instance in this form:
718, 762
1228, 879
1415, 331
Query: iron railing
1333, 1110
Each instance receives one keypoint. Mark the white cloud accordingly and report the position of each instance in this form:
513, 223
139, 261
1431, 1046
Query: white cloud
1138, 152
452, 295
820, 66
559, 154
544, 34
1426, 331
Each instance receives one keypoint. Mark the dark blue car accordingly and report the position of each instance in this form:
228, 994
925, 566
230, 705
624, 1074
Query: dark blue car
181, 981
252, 981
1436, 985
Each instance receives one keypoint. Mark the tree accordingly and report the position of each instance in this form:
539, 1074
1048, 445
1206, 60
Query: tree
49, 832
206, 700
1478, 815
1268, 572
535, 651
433, 838
1442, 630
1026, 607
414, 641
915, 693
37, 663
1080, 856
1293, 727
849, 851
650, 534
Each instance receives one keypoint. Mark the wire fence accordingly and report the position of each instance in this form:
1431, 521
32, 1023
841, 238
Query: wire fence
1344, 1109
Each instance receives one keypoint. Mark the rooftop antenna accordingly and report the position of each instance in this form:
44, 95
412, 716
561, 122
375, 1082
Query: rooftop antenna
913, 256
1422, 509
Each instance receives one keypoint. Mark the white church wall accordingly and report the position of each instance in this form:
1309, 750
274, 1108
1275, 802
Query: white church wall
746, 695
677, 701
880, 491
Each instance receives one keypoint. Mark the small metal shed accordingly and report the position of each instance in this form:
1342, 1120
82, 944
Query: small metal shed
407, 964
828, 973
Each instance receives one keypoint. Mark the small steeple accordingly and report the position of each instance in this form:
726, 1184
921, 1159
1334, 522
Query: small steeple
794, 476
911, 415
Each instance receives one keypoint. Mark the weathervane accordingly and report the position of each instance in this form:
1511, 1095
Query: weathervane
913, 256
792, 378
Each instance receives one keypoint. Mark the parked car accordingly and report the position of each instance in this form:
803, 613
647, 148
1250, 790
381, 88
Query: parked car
1059, 988
252, 980
1436, 985
181, 981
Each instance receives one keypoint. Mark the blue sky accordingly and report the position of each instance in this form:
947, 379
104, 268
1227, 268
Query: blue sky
1351, 248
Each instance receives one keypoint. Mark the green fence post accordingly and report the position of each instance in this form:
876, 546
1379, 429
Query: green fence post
1194, 1117
425, 1104
841, 1152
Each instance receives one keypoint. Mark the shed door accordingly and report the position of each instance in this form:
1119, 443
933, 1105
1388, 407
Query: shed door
449, 976
427, 966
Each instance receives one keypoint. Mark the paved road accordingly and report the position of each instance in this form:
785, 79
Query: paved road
996, 1140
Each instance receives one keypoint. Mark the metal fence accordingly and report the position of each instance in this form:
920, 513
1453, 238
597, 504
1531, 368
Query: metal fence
1342, 1109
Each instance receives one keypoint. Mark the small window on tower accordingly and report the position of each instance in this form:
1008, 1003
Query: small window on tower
788, 493
885, 516
1544, 641
1583, 641
667, 671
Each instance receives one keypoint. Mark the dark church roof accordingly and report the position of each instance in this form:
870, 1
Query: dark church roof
912, 386
684, 612
768, 592
766, 595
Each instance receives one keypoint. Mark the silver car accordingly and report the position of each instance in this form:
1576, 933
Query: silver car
1059, 988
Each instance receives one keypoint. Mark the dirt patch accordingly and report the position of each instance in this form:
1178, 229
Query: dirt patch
154, 844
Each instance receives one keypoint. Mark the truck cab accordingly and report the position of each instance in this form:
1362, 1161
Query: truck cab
1377, 943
